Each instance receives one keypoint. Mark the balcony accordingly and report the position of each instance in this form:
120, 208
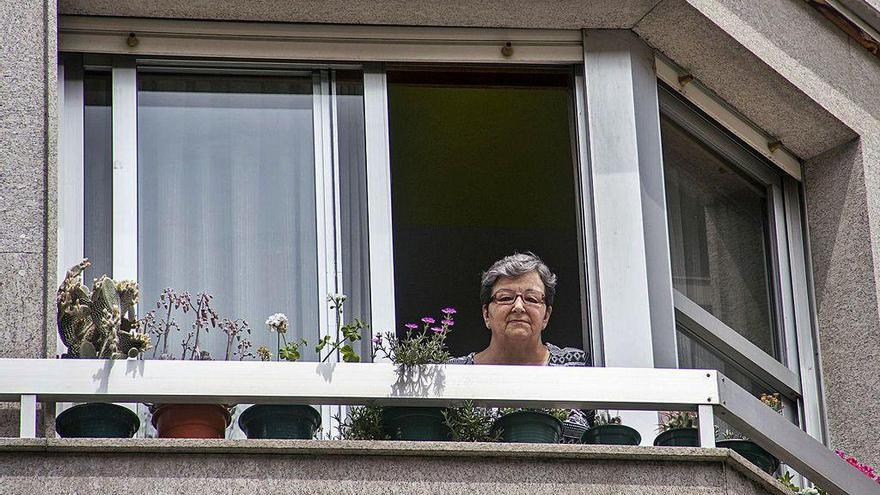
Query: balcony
425, 467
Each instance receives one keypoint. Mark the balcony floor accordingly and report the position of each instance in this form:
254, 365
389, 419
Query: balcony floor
31, 466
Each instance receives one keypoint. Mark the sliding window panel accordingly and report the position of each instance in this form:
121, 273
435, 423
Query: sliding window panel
70, 165
720, 237
226, 200
378, 187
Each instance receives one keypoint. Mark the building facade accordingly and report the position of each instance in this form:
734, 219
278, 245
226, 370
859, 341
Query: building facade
712, 164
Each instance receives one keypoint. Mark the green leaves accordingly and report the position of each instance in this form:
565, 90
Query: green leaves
322, 344
291, 351
348, 354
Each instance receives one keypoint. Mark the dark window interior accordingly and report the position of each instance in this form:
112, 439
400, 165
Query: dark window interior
482, 165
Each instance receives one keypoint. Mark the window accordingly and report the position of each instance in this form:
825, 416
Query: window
273, 183
729, 249
482, 165
238, 170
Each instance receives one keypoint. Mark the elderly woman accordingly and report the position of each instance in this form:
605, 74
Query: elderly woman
517, 295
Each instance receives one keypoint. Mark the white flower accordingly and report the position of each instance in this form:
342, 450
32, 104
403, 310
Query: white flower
277, 323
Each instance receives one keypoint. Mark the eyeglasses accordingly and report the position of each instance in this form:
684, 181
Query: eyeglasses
508, 297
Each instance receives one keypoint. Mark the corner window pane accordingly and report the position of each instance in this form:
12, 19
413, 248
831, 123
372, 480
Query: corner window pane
482, 165
226, 197
719, 236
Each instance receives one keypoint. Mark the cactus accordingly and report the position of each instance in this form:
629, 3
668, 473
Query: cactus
100, 323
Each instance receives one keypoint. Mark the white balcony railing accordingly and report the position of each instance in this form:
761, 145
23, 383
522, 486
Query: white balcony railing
706, 391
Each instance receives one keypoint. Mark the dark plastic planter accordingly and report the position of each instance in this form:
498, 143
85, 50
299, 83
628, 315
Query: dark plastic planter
753, 452
97, 420
678, 437
529, 427
280, 421
415, 423
611, 435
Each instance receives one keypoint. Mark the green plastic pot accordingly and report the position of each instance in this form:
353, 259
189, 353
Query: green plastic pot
528, 427
280, 421
97, 420
425, 424
753, 452
611, 435
678, 437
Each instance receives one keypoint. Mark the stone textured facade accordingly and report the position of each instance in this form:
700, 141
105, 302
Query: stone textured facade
294, 466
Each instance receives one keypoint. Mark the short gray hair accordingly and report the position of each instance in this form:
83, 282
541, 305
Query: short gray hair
513, 266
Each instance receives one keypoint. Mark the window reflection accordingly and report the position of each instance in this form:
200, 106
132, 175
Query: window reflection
719, 237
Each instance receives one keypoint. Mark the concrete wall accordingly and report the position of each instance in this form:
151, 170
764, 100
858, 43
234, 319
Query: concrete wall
291, 466
846, 296
569, 14
28, 126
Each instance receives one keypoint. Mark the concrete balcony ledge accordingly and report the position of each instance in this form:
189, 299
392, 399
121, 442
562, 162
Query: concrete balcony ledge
299, 466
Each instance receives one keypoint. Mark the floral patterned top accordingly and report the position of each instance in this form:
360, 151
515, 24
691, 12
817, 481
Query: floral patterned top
578, 420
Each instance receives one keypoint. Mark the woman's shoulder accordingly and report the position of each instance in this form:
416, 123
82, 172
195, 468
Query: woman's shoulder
567, 356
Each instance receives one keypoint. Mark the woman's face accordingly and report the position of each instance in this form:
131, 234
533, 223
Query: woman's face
524, 319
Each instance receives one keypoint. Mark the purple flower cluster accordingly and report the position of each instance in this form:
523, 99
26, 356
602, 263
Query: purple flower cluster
430, 323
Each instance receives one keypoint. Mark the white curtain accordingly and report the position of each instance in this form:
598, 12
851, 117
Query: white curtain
226, 199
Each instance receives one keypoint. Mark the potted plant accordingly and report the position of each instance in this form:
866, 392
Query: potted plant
299, 421
280, 421
743, 446
519, 425
98, 324
678, 429
608, 430
194, 420
469, 423
422, 345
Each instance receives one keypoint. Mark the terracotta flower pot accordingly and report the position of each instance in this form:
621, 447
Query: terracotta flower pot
191, 420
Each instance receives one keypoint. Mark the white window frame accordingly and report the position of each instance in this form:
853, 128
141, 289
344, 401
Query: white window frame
320, 46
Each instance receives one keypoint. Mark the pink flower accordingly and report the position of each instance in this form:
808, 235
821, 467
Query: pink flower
428, 320
447, 322
448, 311
411, 326
436, 329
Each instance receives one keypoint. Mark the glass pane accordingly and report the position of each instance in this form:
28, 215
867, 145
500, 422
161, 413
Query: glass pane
353, 200
694, 354
482, 165
718, 233
226, 199
97, 175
